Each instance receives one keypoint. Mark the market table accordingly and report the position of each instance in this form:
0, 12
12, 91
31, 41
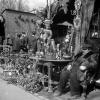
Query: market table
49, 63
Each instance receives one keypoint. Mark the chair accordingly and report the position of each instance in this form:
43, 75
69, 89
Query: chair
91, 81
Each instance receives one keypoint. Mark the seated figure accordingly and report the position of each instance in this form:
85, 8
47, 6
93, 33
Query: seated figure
85, 59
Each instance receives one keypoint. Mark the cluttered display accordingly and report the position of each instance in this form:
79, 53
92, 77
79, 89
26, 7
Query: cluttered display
20, 69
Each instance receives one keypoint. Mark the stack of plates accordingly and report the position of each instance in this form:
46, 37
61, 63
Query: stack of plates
67, 57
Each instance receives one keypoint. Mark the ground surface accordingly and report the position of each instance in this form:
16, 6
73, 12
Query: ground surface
11, 92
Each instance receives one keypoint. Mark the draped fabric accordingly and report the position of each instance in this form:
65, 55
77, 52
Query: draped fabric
87, 11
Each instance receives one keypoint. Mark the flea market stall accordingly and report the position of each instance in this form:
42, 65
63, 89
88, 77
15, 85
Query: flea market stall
55, 48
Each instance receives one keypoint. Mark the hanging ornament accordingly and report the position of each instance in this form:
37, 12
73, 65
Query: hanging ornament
77, 22
77, 4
